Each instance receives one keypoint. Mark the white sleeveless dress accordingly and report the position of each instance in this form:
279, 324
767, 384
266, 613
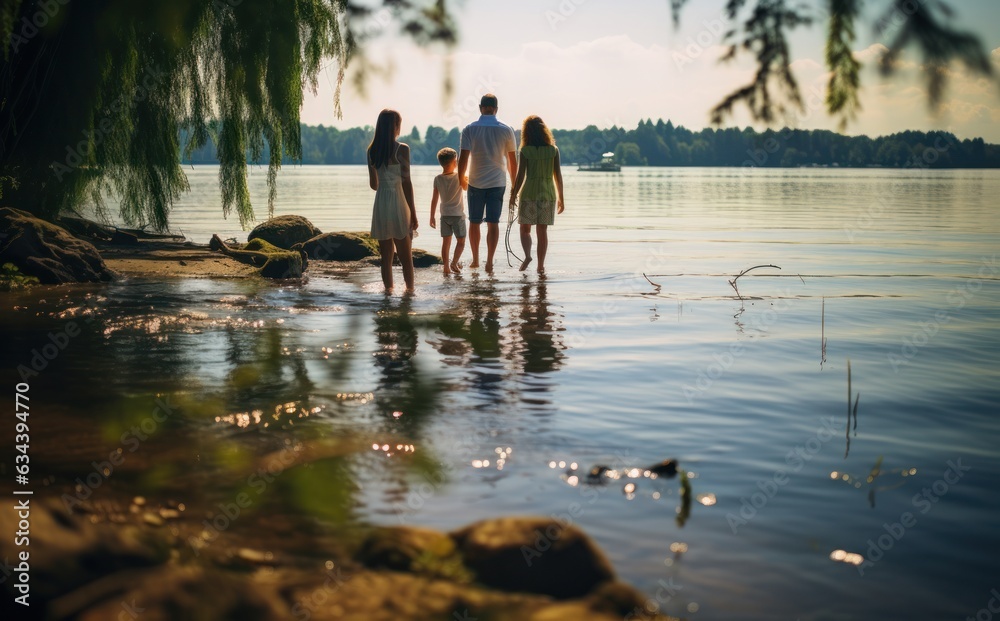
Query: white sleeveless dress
390, 215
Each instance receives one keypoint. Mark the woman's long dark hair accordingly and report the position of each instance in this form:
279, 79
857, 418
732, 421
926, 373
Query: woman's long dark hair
535, 133
383, 145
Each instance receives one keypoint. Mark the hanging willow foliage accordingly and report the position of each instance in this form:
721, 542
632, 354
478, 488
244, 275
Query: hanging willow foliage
96, 92
762, 30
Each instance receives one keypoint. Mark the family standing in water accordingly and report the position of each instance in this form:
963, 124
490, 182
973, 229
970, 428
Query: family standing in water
487, 156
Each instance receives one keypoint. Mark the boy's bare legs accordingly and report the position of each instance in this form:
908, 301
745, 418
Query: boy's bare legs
543, 245
406, 258
445, 251
386, 252
474, 235
492, 239
459, 247
526, 245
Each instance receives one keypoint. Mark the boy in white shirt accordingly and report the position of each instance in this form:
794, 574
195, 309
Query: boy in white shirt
448, 189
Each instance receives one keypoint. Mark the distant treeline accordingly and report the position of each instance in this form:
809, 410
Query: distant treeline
663, 144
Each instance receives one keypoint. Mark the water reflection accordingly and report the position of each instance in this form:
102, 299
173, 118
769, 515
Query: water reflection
505, 341
541, 345
405, 395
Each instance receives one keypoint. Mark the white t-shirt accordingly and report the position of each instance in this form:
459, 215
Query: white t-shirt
488, 141
450, 194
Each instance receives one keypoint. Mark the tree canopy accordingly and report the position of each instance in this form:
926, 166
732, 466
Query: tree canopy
762, 31
95, 92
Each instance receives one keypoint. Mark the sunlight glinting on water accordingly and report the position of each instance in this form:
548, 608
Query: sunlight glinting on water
510, 393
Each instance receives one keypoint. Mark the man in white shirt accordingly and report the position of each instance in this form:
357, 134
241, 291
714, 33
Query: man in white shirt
490, 143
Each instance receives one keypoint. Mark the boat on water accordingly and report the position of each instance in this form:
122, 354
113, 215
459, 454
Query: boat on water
607, 164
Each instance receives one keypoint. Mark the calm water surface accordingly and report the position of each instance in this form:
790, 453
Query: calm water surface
505, 382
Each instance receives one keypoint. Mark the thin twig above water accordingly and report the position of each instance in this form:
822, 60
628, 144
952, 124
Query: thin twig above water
732, 283
658, 287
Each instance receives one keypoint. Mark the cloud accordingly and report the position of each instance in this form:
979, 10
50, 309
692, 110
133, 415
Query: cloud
872, 53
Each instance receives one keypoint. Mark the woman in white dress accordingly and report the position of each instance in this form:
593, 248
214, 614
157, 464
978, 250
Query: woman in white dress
394, 216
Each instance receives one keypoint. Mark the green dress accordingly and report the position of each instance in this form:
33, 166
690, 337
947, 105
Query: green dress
538, 194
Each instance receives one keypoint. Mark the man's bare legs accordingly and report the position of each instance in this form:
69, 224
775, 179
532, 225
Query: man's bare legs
543, 245
492, 239
526, 245
474, 235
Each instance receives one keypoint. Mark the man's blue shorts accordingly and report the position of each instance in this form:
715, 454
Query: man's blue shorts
489, 200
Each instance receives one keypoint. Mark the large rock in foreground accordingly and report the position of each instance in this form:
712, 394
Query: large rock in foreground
533, 555
285, 231
48, 252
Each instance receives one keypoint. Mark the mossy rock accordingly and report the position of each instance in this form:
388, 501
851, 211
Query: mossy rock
271, 261
339, 247
533, 555
285, 231
48, 252
416, 550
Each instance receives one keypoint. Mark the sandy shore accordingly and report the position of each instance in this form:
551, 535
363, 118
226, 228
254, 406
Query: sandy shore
166, 259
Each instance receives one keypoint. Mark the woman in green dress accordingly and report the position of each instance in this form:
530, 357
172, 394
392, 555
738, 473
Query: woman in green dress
538, 187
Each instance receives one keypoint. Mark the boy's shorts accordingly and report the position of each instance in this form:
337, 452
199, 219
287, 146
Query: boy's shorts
489, 200
453, 225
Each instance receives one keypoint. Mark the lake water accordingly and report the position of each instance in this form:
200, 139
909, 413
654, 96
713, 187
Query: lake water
799, 510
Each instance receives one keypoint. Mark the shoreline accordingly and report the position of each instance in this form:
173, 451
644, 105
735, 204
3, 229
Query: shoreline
167, 259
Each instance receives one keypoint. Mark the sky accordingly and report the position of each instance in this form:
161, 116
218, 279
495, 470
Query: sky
616, 62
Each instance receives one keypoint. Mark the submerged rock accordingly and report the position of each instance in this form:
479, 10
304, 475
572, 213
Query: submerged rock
47, 251
533, 555
666, 468
285, 231
356, 247
422, 258
339, 247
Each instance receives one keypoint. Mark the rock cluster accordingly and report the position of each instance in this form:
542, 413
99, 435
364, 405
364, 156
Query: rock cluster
47, 251
533, 569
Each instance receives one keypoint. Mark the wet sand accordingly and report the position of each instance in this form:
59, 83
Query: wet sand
167, 259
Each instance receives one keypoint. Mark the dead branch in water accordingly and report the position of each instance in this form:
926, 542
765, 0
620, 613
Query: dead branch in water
658, 287
732, 283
